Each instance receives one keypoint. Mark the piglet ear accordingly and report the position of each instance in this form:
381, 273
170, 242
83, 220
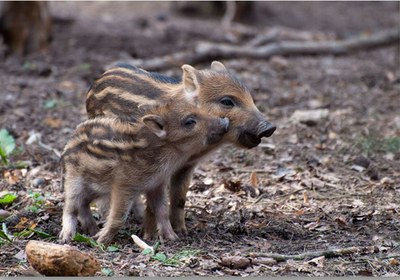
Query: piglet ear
218, 66
156, 124
190, 83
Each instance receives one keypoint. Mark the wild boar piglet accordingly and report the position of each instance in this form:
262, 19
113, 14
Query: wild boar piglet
121, 90
115, 159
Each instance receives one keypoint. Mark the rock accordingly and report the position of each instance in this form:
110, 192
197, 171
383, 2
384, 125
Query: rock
315, 103
361, 161
357, 168
389, 156
60, 260
373, 174
268, 148
38, 182
310, 117
4, 214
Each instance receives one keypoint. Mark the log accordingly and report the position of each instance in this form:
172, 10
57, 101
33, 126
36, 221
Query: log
60, 260
206, 51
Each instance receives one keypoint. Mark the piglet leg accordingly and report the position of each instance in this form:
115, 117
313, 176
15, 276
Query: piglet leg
157, 203
120, 205
179, 186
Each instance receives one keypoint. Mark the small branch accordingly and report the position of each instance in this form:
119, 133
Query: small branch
229, 15
327, 253
49, 148
206, 51
286, 34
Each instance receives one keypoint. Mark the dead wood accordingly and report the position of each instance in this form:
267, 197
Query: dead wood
286, 34
60, 260
209, 51
326, 253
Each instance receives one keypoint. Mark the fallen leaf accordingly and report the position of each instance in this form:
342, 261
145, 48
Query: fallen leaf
21, 256
283, 171
53, 122
233, 185
13, 176
254, 180
341, 221
318, 262
305, 197
386, 181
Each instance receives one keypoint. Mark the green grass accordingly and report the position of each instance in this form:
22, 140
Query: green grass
373, 143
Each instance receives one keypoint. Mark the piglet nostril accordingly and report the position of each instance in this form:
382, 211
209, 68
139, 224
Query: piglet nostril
266, 131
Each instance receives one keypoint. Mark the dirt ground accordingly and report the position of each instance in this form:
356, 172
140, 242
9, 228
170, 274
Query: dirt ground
326, 185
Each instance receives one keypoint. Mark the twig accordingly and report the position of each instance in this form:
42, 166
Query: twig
330, 197
253, 170
229, 14
49, 148
327, 253
208, 51
282, 33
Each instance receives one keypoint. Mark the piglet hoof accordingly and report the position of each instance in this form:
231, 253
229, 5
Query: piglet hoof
179, 227
102, 237
92, 230
66, 235
181, 231
148, 236
168, 235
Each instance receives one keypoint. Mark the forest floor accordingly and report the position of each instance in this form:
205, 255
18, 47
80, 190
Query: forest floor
329, 184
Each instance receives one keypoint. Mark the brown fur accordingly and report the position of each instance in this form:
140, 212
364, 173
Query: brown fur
112, 160
207, 88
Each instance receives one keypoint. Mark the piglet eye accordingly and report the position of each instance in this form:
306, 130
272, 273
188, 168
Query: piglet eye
227, 102
189, 122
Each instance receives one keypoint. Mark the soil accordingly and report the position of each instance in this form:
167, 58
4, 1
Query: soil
301, 190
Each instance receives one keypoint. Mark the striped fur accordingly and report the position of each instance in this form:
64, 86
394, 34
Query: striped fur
122, 90
111, 159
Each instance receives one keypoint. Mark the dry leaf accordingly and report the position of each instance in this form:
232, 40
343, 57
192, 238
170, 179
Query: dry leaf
13, 176
254, 180
341, 221
52, 122
318, 262
305, 197
233, 185
394, 262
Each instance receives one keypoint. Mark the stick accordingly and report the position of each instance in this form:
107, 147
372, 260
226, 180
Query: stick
205, 51
49, 148
282, 33
327, 253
